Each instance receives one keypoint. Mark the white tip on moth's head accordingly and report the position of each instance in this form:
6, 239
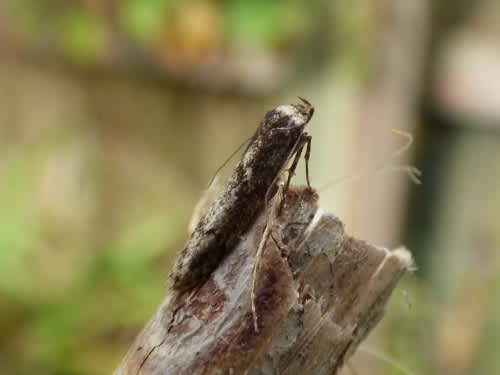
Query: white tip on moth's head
298, 114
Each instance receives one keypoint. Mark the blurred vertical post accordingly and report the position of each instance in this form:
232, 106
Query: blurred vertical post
388, 101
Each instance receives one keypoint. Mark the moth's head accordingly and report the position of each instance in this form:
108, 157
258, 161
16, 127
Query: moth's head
290, 116
305, 108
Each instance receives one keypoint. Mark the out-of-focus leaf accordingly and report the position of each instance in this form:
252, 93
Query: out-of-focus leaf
261, 22
18, 229
27, 15
143, 19
83, 36
139, 244
98, 313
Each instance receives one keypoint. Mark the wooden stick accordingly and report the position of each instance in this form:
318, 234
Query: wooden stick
315, 303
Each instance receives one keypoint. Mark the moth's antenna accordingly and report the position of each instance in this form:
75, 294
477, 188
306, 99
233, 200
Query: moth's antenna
406, 146
306, 102
227, 160
412, 172
309, 106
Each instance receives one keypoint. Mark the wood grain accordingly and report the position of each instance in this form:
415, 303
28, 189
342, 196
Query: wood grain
319, 293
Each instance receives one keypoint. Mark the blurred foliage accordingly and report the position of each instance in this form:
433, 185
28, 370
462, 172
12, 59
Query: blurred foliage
83, 37
85, 30
18, 227
261, 22
78, 271
75, 325
144, 20
92, 213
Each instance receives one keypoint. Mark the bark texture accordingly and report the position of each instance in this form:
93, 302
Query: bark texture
319, 292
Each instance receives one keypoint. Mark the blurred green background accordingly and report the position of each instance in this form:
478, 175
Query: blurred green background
115, 113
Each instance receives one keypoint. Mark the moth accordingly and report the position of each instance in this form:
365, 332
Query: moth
279, 139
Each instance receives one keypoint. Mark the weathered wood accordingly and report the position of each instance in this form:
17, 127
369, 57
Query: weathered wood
319, 293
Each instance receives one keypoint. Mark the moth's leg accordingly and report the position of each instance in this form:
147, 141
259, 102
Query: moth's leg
308, 140
291, 171
265, 236
305, 140
293, 166
285, 252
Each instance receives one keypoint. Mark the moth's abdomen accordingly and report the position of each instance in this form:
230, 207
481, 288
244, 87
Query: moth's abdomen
196, 262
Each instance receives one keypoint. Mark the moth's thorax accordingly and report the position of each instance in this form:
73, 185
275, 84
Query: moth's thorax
288, 116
